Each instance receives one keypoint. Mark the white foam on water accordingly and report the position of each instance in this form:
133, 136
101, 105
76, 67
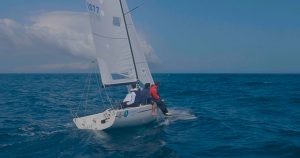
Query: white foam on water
177, 115
181, 114
69, 125
30, 134
101, 135
26, 131
165, 122
137, 137
162, 143
5, 145
47, 133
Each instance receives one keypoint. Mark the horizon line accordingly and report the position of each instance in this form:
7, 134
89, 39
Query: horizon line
262, 73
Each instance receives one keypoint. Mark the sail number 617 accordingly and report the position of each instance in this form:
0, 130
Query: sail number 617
93, 8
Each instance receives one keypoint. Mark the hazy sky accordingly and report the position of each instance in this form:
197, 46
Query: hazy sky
206, 36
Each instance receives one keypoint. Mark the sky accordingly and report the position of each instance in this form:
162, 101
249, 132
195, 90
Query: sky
191, 36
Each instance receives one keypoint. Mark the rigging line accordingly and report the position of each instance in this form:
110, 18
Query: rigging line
111, 98
108, 98
87, 94
108, 37
86, 90
82, 97
99, 86
142, 3
69, 105
70, 108
83, 94
95, 84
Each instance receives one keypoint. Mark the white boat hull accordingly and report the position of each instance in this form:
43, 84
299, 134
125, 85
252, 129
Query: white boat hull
116, 118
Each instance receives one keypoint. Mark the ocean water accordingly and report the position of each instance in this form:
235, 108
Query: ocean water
214, 115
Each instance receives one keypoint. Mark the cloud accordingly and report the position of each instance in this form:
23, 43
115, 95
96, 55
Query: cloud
58, 33
66, 31
68, 67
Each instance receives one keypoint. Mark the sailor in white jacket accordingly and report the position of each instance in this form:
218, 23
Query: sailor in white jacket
129, 100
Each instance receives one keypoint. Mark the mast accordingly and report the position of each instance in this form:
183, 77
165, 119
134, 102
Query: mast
137, 77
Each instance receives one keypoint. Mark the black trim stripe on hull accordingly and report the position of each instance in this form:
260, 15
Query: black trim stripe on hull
144, 110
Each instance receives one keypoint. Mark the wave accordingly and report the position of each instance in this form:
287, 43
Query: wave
191, 92
178, 115
261, 149
182, 114
258, 83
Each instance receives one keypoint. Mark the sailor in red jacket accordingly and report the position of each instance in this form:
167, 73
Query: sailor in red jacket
157, 99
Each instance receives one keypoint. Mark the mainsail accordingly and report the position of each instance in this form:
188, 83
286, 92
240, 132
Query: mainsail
120, 61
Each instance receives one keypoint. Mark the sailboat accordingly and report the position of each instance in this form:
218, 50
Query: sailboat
121, 62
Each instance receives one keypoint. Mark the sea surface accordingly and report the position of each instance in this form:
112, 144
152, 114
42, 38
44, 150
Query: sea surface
214, 115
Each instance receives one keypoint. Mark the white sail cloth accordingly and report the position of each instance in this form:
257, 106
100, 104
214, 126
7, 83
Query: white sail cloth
113, 51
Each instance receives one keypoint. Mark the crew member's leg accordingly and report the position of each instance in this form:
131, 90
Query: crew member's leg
162, 106
153, 108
